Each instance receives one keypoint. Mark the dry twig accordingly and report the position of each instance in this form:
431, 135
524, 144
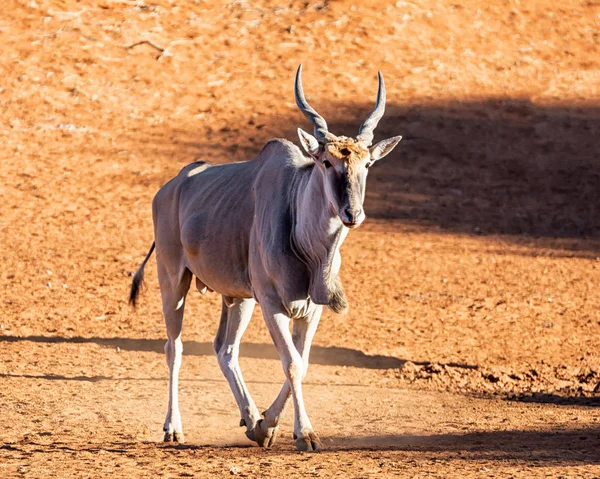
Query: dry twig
147, 42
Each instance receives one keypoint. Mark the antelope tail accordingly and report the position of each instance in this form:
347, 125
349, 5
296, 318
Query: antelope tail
138, 278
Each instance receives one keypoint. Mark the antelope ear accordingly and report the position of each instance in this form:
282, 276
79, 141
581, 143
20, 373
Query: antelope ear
309, 143
384, 147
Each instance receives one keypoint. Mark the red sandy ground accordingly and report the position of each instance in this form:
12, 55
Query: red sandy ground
471, 348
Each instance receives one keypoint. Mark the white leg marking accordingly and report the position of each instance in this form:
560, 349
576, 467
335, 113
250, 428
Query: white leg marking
180, 303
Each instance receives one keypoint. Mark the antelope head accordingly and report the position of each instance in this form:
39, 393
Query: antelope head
344, 161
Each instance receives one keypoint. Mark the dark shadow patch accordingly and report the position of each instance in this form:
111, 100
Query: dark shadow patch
415, 374
58, 377
561, 446
546, 398
575, 446
327, 356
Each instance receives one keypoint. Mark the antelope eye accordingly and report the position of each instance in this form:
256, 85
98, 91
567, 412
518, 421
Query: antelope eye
345, 151
327, 164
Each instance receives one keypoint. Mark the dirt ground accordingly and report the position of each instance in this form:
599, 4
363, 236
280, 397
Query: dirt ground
472, 345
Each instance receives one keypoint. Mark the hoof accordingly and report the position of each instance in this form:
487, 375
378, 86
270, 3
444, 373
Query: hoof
176, 437
264, 436
309, 441
251, 435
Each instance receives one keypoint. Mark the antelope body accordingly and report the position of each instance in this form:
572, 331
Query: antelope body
266, 230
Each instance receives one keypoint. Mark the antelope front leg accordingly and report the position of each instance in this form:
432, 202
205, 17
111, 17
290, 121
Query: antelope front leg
302, 334
293, 366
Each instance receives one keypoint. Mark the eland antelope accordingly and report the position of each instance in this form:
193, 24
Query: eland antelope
268, 230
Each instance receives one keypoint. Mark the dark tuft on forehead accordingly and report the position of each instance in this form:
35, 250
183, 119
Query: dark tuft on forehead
346, 148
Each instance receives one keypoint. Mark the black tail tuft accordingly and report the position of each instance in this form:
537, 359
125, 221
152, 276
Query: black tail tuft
138, 279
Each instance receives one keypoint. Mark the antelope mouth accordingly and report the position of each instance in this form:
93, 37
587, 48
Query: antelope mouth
350, 224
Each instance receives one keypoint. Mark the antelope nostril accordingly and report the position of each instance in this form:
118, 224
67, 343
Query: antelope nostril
352, 217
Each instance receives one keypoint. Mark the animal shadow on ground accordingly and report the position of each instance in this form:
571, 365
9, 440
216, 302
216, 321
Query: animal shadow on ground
329, 356
569, 447
491, 166
559, 447
326, 356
